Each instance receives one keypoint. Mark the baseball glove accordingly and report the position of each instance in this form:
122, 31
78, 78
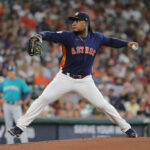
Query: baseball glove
34, 46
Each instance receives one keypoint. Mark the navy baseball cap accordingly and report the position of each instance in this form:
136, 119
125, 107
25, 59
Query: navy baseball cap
11, 68
80, 16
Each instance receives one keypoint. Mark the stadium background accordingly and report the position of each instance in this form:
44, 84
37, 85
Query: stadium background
121, 75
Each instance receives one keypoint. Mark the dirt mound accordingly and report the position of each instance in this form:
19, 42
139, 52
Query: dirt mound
109, 143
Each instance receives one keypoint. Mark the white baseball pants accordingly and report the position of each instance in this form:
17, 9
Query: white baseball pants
62, 84
12, 112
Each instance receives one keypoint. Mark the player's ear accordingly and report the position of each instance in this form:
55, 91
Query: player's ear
86, 23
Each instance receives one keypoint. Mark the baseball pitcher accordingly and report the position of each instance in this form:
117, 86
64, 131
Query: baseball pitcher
79, 50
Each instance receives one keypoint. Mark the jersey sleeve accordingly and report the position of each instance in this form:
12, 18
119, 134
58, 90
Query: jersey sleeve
112, 42
24, 86
1, 87
59, 36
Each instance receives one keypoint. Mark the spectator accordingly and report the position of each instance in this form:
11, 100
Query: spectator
85, 110
48, 112
147, 111
40, 79
76, 113
26, 72
132, 106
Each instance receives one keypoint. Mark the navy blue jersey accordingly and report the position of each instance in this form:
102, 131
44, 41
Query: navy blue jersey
79, 54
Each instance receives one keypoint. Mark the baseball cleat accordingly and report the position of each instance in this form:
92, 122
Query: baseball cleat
15, 131
131, 133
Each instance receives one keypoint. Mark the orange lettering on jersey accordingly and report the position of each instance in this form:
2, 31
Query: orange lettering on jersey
80, 49
73, 51
91, 51
86, 50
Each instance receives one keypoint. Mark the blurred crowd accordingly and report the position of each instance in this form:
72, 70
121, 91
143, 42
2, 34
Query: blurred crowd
122, 75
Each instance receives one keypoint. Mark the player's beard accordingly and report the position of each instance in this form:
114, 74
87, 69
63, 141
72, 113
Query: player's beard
78, 32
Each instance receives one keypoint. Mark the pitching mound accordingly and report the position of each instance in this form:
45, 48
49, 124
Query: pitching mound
114, 143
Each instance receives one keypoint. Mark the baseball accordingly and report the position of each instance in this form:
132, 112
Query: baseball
134, 47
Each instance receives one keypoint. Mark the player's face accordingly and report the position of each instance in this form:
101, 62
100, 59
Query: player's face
79, 25
11, 74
